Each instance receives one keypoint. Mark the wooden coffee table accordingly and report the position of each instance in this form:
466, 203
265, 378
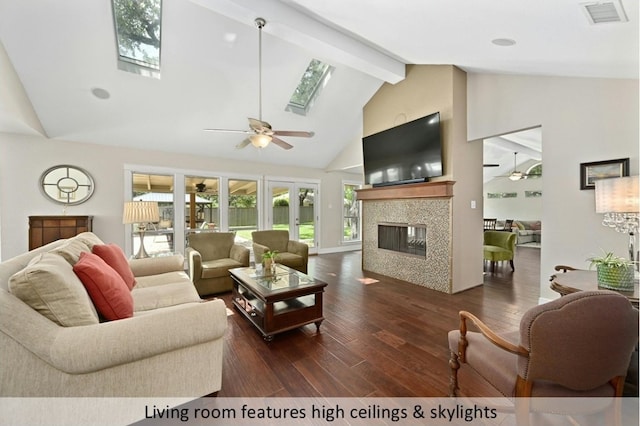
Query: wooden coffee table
275, 303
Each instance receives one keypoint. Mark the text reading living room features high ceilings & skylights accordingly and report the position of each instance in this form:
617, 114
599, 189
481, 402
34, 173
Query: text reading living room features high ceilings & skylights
261, 133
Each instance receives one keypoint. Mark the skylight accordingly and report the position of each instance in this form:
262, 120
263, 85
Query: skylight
313, 80
137, 24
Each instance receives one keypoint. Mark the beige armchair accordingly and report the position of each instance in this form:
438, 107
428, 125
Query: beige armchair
210, 255
575, 346
293, 254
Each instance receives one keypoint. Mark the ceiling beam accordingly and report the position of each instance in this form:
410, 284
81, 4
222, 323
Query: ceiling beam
302, 30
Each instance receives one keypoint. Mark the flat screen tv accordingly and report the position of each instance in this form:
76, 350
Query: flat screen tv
408, 153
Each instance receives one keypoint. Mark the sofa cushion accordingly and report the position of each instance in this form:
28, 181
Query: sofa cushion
162, 279
49, 286
162, 296
113, 255
71, 250
107, 289
89, 238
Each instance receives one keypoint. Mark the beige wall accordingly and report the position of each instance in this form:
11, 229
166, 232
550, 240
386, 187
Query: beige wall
583, 120
427, 89
24, 158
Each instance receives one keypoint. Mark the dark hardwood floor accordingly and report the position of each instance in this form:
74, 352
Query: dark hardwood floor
382, 339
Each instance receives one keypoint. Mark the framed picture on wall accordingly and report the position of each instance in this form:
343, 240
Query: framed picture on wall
591, 172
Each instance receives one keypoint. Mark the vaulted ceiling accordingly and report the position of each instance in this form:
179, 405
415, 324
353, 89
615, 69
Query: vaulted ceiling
62, 50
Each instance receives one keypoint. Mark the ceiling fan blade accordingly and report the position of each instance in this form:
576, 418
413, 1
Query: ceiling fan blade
281, 143
248, 132
295, 133
244, 143
491, 165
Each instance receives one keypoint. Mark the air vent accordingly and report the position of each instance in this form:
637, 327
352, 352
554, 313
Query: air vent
604, 12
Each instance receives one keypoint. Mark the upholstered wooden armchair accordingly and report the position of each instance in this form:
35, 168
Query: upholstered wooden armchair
210, 255
293, 254
575, 346
499, 246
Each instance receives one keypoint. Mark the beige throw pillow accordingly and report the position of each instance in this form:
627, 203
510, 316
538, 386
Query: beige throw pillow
49, 285
71, 250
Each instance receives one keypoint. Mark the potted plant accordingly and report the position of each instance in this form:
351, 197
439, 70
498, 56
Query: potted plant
615, 273
269, 261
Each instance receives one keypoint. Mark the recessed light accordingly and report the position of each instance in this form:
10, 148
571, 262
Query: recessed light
503, 42
100, 93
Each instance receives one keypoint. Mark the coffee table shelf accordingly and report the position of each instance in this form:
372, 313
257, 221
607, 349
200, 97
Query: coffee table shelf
275, 303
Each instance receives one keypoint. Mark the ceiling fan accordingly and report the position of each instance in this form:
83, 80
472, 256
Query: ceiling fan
261, 133
516, 175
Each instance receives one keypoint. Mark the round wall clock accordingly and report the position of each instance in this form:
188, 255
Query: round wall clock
65, 184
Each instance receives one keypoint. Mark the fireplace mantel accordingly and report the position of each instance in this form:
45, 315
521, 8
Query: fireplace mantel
443, 189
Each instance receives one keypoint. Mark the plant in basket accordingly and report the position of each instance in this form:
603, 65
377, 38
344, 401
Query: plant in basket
614, 272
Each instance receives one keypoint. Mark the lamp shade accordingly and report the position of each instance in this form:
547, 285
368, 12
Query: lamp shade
617, 195
259, 140
140, 212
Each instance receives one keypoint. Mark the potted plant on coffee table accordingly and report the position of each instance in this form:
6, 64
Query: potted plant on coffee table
269, 261
614, 272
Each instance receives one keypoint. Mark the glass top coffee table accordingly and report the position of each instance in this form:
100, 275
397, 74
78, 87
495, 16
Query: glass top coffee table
277, 302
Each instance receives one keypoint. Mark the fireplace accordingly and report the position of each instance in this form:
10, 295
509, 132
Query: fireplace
403, 238
406, 233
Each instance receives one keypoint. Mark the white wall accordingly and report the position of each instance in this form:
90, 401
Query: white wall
583, 120
24, 158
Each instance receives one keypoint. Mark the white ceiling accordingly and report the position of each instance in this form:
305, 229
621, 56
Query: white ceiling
502, 150
63, 49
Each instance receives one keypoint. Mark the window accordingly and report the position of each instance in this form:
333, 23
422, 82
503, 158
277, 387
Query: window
351, 213
159, 237
137, 26
243, 209
202, 208
313, 80
191, 202
534, 171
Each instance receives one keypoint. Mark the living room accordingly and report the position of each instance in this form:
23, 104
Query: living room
584, 118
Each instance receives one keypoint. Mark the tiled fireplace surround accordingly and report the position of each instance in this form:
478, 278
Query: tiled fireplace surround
427, 204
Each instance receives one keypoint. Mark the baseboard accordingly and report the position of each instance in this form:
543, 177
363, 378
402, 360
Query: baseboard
340, 249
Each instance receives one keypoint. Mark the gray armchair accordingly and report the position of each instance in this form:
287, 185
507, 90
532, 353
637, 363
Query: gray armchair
210, 255
293, 254
578, 345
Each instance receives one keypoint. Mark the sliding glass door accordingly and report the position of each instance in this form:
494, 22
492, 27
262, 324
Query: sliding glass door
292, 207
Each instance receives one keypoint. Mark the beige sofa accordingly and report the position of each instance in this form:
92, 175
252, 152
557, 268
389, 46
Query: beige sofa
529, 231
171, 347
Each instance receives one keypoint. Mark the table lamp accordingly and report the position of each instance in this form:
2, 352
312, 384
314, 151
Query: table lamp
619, 200
141, 212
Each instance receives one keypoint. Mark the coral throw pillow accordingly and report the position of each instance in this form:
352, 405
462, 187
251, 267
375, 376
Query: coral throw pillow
108, 291
113, 255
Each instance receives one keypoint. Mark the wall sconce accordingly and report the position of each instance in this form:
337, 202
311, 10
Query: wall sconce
142, 213
619, 200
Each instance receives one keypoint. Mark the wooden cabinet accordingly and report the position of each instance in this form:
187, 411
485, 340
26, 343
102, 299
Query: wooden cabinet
45, 229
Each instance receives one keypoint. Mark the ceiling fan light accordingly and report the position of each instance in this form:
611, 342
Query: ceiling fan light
260, 141
515, 176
